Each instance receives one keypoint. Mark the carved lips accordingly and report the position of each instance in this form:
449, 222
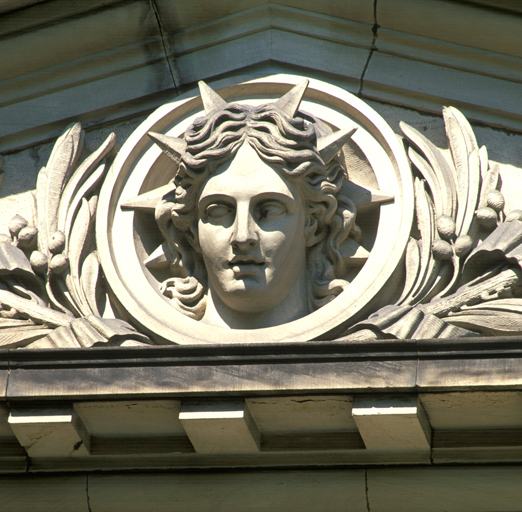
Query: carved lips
245, 266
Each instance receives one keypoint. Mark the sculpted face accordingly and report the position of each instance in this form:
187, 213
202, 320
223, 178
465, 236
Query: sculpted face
251, 243
251, 234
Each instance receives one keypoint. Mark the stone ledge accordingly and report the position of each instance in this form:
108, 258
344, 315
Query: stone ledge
130, 405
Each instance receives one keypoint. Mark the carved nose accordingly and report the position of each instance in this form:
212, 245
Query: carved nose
244, 235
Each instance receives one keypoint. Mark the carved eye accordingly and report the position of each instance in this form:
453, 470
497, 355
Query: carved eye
216, 211
270, 209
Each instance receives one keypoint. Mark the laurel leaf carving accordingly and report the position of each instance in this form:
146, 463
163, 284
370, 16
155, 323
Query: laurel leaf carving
412, 264
58, 169
467, 273
90, 282
426, 228
58, 305
443, 174
84, 170
80, 241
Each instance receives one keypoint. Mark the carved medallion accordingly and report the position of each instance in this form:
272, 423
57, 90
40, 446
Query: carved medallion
277, 210
247, 222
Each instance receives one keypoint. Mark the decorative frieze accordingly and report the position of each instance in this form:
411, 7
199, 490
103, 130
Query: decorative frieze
277, 214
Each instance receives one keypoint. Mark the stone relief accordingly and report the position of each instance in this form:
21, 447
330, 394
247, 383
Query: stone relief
463, 260
258, 220
281, 212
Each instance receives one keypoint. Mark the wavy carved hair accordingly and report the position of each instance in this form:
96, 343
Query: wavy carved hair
289, 146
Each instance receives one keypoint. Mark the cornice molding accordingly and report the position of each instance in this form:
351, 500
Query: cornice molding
405, 366
118, 68
311, 403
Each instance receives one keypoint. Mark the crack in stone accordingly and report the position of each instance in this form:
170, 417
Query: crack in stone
375, 30
366, 494
165, 45
77, 446
7, 380
324, 400
89, 509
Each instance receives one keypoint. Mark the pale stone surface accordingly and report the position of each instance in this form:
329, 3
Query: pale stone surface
134, 57
118, 59
186, 15
252, 238
130, 418
468, 25
21, 167
298, 430
274, 16
19, 180
188, 380
503, 146
130, 55
427, 87
447, 53
392, 423
220, 427
468, 373
303, 414
46, 432
483, 410
133, 427
136, 21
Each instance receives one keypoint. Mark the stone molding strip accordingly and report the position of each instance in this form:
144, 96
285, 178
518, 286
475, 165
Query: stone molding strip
120, 69
251, 370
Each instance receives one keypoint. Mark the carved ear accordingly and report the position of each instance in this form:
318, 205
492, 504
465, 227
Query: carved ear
289, 103
212, 101
329, 145
171, 146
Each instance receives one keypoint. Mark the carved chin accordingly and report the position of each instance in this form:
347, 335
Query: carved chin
249, 294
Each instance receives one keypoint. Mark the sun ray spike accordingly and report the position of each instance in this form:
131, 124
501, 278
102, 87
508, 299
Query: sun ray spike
148, 200
289, 102
329, 145
365, 198
212, 101
171, 146
157, 260
354, 254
